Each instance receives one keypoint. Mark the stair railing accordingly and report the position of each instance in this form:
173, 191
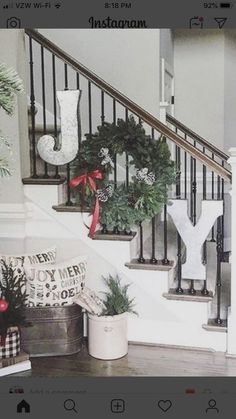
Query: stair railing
202, 168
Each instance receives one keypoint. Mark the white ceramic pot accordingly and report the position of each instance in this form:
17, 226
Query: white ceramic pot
107, 336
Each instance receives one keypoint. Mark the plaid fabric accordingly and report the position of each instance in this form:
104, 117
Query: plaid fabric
12, 345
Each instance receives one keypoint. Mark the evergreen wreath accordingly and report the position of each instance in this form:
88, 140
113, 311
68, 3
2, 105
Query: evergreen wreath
124, 206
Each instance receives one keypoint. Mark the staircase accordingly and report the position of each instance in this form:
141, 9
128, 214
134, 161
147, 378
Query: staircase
172, 310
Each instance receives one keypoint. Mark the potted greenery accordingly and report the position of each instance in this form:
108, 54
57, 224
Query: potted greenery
107, 333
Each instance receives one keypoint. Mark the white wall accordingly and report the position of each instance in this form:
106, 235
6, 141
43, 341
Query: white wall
229, 114
230, 90
127, 59
14, 127
199, 82
205, 83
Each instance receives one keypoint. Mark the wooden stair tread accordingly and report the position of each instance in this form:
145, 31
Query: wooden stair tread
43, 181
134, 264
114, 237
198, 297
212, 326
69, 208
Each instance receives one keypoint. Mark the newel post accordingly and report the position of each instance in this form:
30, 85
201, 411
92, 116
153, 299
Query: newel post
231, 344
163, 111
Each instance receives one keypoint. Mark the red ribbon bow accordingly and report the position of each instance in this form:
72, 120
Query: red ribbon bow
90, 179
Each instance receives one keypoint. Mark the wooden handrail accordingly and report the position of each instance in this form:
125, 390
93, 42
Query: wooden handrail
197, 137
130, 105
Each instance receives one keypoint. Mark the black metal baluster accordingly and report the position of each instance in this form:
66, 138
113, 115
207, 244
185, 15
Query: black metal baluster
115, 158
104, 229
178, 165
141, 258
104, 226
90, 107
57, 176
193, 186
66, 77
77, 81
219, 240
102, 108
194, 191
165, 260
204, 254
212, 197
79, 119
115, 229
46, 176
179, 289
126, 155
68, 202
33, 112
204, 198
153, 259
223, 216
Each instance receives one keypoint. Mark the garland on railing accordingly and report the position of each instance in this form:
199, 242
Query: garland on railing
122, 206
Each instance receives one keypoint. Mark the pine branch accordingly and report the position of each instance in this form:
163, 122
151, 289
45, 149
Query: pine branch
10, 84
12, 288
117, 300
4, 168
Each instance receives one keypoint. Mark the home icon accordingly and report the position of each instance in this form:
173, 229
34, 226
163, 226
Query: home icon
23, 407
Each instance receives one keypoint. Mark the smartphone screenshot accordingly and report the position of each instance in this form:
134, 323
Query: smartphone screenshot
117, 209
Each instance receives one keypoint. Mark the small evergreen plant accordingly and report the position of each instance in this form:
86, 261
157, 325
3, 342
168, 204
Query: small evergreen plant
117, 300
12, 289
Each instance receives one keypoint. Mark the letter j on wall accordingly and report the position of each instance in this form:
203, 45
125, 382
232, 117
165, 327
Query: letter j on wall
69, 105
194, 236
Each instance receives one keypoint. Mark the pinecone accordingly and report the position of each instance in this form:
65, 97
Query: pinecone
131, 202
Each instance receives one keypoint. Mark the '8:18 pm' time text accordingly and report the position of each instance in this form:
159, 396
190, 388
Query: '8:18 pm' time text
118, 5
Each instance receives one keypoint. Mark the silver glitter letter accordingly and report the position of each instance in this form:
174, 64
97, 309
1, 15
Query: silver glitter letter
69, 103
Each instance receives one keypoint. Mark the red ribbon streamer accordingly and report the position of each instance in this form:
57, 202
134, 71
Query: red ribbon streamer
90, 179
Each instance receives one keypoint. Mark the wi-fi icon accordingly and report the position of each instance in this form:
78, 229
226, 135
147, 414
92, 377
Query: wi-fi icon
58, 5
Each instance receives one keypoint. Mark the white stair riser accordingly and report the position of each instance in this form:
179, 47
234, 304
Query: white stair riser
169, 333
